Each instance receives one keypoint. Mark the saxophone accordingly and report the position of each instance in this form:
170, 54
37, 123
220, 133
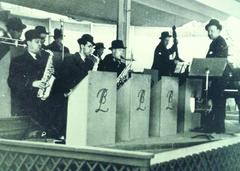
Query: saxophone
10, 41
124, 75
48, 78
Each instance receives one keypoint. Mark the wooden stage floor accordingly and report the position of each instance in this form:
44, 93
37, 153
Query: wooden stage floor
173, 142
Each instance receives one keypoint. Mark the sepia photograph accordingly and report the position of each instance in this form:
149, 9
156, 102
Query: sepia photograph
119, 85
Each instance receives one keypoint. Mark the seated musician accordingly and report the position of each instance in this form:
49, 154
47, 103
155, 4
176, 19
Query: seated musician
15, 28
114, 62
214, 121
25, 80
162, 61
73, 69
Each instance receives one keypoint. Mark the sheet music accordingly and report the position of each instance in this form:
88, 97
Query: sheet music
180, 67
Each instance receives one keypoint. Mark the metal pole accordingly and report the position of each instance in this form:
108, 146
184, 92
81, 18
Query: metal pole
123, 25
49, 29
62, 29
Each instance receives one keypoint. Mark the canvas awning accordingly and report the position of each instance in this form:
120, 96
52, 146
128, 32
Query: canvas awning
159, 13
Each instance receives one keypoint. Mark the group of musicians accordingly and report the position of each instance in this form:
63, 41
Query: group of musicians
26, 72
214, 120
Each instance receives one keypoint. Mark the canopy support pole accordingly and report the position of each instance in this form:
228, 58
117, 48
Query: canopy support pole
123, 25
49, 30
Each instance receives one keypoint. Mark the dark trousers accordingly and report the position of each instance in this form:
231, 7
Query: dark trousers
59, 113
219, 114
237, 101
215, 120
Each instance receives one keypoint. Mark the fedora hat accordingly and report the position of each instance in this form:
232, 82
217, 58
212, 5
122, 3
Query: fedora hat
15, 23
117, 44
57, 33
32, 34
86, 38
164, 35
41, 29
214, 22
99, 45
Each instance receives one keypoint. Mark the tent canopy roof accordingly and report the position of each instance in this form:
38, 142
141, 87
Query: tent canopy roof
159, 13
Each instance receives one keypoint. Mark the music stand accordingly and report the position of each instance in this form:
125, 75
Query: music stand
208, 68
181, 67
216, 67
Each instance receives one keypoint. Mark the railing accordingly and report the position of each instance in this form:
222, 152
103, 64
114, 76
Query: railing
221, 155
33, 156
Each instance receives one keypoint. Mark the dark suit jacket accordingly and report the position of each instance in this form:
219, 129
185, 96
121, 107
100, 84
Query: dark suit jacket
110, 64
218, 48
161, 61
23, 71
73, 70
56, 48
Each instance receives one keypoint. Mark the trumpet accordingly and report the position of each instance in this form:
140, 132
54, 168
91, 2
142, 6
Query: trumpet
10, 41
13, 42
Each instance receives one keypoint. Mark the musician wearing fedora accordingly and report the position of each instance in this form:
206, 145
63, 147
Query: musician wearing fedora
25, 80
218, 47
73, 69
162, 61
43, 34
214, 121
99, 50
15, 28
114, 62
56, 45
